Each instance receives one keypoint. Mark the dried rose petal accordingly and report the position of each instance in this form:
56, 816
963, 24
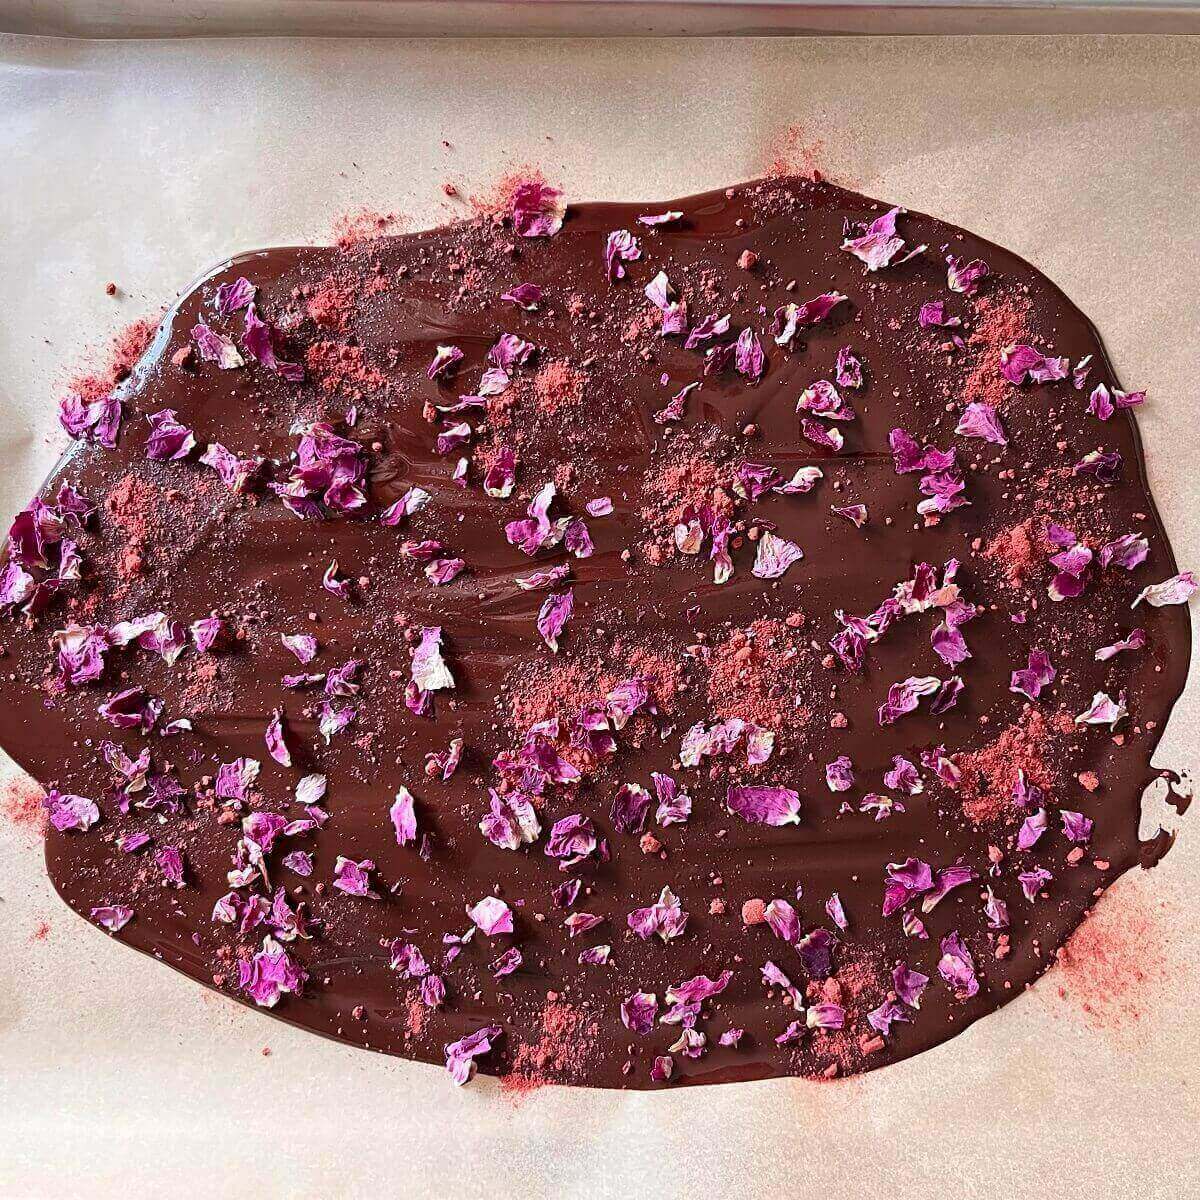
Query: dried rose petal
774, 556
1019, 363
404, 817
965, 277
981, 421
749, 356
444, 361
630, 808
848, 372
1135, 641
168, 439
1039, 674
760, 805
276, 744
353, 878
555, 612
525, 295
1103, 710
113, 917
663, 218
793, 317
216, 347
620, 248
537, 210
233, 297
461, 1055
1076, 826
1179, 589
492, 916
957, 967
839, 774
665, 917
880, 243
638, 1012
1102, 403
70, 812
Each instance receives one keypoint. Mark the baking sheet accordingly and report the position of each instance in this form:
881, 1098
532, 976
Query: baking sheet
592, 18
140, 163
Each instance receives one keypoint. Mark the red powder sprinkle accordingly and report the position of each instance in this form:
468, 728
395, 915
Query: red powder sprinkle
341, 366
660, 670
561, 687
561, 1053
857, 988
1017, 550
1113, 963
41, 933
131, 504
484, 456
547, 691
416, 1013
362, 225
696, 469
331, 306
498, 197
117, 361
989, 773
758, 673
517, 1087
203, 691
557, 386
793, 152
21, 804
1000, 321
135, 506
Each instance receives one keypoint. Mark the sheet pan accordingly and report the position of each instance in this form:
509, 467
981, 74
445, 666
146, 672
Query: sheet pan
141, 162
590, 18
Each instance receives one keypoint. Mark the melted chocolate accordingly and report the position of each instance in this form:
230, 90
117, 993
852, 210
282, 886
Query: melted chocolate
170, 536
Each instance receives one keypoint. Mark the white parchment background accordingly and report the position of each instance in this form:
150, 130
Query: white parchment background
143, 162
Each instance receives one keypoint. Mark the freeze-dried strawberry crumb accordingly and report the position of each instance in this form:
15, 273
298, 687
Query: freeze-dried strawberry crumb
416, 1014
133, 504
564, 1047
21, 804
761, 674
558, 385
857, 986
331, 305
498, 197
696, 468
354, 228
341, 366
1000, 321
1115, 962
543, 691
990, 773
794, 151
1017, 550
116, 361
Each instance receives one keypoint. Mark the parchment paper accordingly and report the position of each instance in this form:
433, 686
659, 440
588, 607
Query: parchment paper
141, 163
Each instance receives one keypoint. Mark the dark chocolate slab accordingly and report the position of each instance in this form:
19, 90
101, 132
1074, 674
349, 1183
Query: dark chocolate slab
171, 537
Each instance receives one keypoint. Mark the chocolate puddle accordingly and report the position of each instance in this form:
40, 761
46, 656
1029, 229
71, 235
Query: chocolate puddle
171, 537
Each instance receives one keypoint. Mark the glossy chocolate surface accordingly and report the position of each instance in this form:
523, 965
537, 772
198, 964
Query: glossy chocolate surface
171, 537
